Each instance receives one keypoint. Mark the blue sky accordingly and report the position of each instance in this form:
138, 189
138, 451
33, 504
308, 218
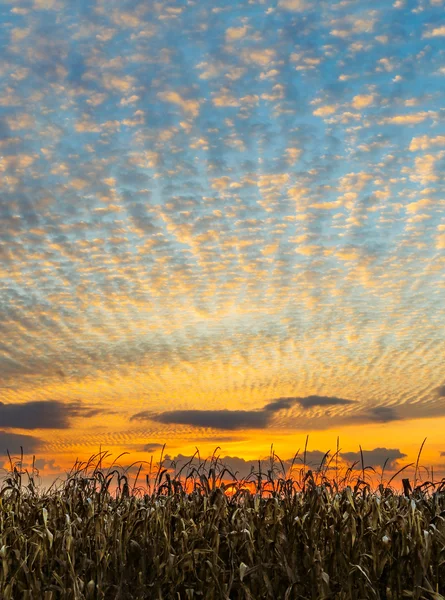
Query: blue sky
216, 206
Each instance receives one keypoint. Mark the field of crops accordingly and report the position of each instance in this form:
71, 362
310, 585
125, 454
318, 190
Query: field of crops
100, 536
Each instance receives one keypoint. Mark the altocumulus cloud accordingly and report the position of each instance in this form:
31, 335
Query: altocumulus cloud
50, 414
126, 211
237, 419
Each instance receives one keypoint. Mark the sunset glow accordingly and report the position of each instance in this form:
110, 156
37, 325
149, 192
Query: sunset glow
222, 224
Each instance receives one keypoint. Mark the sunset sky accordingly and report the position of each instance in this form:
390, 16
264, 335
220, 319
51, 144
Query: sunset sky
222, 224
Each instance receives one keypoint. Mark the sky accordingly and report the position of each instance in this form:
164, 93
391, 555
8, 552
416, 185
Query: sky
222, 224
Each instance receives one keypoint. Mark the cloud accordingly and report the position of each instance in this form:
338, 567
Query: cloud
164, 254
236, 33
408, 119
116, 83
126, 19
306, 402
49, 414
13, 441
425, 142
375, 458
152, 447
383, 414
189, 106
311, 401
293, 5
435, 32
419, 206
425, 168
325, 111
238, 466
42, 463
440, 241
216, 419
237, 419
440, 391
48, 5
241, 467
20, 121
259, 56
353, 24
362, 101
281, 404
314, 459
223, 99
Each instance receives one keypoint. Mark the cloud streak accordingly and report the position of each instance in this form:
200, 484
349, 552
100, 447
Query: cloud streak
215, 419
13, 442
236, 419
50, 414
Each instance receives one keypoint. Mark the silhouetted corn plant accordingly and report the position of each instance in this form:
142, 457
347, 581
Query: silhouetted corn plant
203, 532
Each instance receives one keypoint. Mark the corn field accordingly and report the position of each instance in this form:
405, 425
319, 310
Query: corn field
201, 533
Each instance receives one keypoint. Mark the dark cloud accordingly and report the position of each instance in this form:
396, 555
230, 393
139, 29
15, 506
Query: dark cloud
440, 391
383, 414
50, 414
216, 419
314, 459
86, 413
281, 404
378, 414
42, 463
375, 458
305, 402
242, 468
237, 419
311, 401
238, 466
152, 447
13, 441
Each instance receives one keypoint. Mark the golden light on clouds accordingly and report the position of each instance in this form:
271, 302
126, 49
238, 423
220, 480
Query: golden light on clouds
214, 231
